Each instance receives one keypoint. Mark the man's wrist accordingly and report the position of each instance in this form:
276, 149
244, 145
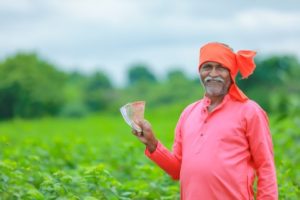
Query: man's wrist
152, 146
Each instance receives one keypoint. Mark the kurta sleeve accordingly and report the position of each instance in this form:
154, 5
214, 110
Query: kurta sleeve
260, 142
169, 161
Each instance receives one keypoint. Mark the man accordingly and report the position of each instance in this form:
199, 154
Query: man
221, 141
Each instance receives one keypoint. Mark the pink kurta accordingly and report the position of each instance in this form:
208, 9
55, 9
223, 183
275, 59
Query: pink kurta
215, 155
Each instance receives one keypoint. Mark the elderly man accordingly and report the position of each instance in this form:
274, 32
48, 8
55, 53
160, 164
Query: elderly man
222, 142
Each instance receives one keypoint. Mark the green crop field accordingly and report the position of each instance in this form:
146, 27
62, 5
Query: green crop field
97, 157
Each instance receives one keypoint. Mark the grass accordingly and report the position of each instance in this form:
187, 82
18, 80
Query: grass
98, 157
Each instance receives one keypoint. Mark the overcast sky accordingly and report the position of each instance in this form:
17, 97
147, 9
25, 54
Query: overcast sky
111, 35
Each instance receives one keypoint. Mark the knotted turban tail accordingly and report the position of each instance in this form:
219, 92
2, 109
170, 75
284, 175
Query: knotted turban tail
242, 61
245, 62
236, 93
246, 66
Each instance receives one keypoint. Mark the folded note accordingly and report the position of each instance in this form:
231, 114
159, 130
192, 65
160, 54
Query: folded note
132, 113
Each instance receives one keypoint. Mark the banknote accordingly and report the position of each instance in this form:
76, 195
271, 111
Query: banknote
132, 113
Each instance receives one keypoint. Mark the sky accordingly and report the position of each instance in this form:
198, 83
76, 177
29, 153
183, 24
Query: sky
112, 35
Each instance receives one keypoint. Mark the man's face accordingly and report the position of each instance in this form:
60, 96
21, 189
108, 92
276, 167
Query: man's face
215, 78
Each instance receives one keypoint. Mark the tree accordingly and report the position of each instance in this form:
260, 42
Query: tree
29, 87
140, 73
274, 80
99, 92
98, 80
176, 75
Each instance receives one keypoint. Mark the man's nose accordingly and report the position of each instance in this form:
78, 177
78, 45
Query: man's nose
213, 72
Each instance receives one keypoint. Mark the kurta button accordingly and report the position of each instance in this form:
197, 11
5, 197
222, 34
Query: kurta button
201, 134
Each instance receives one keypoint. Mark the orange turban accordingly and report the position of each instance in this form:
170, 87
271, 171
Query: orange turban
242, 61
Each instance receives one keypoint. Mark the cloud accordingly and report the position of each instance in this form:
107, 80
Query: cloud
112, 34
110, 12
268, 20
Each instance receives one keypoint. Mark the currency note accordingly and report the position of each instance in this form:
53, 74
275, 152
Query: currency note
132, 113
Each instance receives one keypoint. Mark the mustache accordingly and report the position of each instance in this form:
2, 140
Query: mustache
214, 79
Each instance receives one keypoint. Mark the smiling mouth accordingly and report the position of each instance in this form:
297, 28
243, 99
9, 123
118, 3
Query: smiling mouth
213, 81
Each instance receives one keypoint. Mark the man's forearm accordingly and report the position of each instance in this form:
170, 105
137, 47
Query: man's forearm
165, 160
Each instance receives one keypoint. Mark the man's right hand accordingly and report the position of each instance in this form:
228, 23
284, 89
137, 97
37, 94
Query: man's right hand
146, 136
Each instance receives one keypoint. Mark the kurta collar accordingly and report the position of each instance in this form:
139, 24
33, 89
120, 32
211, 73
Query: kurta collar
207, 101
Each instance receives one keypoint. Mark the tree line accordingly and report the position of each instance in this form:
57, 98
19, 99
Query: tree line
33, 87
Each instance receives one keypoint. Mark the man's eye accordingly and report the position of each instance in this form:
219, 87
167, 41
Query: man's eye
222, 69
206, 67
